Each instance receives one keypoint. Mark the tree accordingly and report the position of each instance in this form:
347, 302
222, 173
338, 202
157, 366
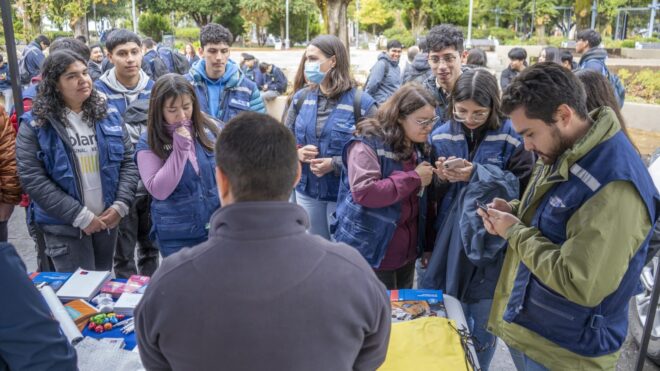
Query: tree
415, 12
201, 11
31, 11
258, 12
335, 18
373, 14
297, 26
154, 25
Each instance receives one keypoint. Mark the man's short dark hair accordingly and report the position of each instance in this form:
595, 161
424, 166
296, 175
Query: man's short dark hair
541, 89
422, 45
120, 37
518, 54
263, 67
248, 57
445, 36
592, 37
82, 39
148, 43
214, 33
566, 56
69, 43
42, 39
258, 156
394, 44
96, 46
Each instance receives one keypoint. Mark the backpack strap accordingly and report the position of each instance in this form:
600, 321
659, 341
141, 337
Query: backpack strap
357, 105
301, 100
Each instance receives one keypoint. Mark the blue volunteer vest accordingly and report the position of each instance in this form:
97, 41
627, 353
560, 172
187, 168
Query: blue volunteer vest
119, 100
61, 163
600, 330
496, 148
370, 230
233, 100
338, 130
182, 220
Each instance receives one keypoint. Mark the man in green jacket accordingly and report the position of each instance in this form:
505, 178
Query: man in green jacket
579, 236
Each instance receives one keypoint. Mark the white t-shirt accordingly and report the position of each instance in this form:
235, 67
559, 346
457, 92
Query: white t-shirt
83, 140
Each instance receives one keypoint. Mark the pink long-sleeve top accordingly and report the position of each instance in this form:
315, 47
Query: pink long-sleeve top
369, 189
160, 177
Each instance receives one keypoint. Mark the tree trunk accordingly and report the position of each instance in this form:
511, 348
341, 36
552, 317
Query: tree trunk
282, 29
337, 23
79, 26
583, 14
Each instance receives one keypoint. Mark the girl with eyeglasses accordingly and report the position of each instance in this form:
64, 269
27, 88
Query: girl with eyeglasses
382, 201
479, 156
322, 117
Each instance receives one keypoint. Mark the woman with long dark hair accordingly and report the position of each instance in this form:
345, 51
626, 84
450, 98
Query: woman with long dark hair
549, 54
323, 124
176, 164
381, 195
75, 161
479, 156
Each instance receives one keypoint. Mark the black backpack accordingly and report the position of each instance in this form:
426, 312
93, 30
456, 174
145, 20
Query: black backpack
158, 67
23, 73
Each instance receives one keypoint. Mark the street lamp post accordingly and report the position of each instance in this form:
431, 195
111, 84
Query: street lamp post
469, 38
594, 14
654, 7
286, 41
134, 18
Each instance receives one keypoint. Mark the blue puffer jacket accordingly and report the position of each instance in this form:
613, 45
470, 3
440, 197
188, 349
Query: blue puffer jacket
237, 93
34, 58
338, 130
384, 78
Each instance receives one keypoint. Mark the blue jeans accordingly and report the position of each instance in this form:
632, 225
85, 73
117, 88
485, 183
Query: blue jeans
476, 315
320, 214
524, 363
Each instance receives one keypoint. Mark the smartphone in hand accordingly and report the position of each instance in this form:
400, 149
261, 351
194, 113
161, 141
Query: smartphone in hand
482, 206
455, 163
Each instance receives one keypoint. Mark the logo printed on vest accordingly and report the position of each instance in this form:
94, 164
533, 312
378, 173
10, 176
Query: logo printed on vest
556, 202
84, 140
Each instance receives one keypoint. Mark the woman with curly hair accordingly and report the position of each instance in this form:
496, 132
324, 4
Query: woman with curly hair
75, 161
381, 195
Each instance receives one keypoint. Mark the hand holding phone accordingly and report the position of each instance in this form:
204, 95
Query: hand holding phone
482, 206
455, 163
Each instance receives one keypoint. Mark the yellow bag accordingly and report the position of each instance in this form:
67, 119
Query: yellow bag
428, 343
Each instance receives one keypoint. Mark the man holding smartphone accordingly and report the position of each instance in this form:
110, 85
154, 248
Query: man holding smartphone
578, 238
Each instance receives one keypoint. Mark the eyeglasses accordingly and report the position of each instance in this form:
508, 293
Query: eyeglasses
428, 122
477, 117
448, 59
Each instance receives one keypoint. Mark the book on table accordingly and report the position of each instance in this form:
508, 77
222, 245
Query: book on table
83, 284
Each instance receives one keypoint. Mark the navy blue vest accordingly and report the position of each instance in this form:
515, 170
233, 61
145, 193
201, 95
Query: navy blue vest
496, 148
182, 220
586, 331
61, 163
233, 100
338, 130
370, 230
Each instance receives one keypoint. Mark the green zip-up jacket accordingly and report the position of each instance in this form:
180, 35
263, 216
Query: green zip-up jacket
602, 237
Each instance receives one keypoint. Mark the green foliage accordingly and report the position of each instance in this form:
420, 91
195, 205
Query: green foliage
375, 16
502, 33
644, 84
188, 33
297, 27
628, 43
201, 11
52, 35
403, 35
154, 25
232, 20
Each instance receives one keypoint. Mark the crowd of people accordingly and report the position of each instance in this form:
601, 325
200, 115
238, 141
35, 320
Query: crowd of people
529, 204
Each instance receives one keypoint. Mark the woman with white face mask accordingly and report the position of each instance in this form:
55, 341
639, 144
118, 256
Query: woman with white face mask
322, 118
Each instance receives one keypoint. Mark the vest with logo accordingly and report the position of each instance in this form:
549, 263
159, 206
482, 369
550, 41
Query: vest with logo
119, 100
233, 100
338, 130
370, 230
61, 163
496, 148
586, 331
182, 220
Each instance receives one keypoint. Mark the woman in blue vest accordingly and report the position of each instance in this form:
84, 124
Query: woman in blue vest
477, 133
382, 201
75, 163
176, 164
323, 124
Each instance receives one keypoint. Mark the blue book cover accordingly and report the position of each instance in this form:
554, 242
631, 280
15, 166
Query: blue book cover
53, 279
431, 296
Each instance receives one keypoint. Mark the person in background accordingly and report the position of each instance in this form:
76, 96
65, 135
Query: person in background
10, 187
274, 83
30, 338
257, 168
94, 66
569, 271
593, 56
250, 68
381, 204
75, 161
149, 56
5, 85
445, 45
82, 39
517, 63
549, 54
418, 70
385, 77
476, 57
567, 60
34, 56
175, 160
222, 89
191, 54
323, 117
411, 53
493, 162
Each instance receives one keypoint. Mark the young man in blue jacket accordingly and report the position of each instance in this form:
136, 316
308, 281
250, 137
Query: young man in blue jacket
30, 339
385, 77
222, 89
34, 55
273, 81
